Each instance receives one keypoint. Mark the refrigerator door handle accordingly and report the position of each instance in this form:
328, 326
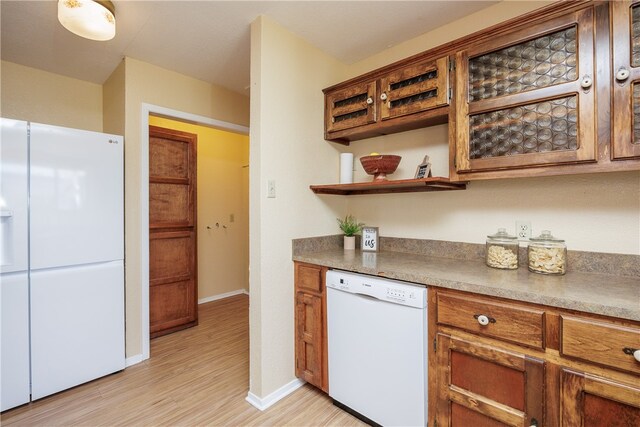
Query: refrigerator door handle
6, 238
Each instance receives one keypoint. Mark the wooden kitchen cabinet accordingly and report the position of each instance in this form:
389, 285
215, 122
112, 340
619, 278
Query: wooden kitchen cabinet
351, 107
591, 401
481, 381
310, 324
625, 30
564, 368
414, 88
396, 99
552, 92
483, 384
527, 98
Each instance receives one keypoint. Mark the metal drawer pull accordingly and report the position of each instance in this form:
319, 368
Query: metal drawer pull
534, 422
635, 352
622, 74
484, 320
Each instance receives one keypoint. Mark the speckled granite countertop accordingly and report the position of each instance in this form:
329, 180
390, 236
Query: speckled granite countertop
599, 293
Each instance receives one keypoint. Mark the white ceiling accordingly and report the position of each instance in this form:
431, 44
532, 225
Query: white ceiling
209, 40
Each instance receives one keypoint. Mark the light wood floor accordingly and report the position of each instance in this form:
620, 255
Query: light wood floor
199, 376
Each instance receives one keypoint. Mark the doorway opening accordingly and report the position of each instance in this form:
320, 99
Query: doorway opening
222, 206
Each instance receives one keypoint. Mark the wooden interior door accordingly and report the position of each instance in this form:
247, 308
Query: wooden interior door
173, 295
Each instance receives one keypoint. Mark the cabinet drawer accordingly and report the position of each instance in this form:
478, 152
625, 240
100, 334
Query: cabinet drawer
600, 342
509, 322
308, 277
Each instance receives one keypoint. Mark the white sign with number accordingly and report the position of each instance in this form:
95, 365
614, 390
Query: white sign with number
370, 239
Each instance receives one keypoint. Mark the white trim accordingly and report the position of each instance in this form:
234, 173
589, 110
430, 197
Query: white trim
222, 296
133, 360
282, 392
147, 109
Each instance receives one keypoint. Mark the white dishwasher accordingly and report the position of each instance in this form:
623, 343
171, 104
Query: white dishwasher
376, 331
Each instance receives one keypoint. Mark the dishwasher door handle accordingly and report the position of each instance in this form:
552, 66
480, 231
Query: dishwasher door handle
365, 296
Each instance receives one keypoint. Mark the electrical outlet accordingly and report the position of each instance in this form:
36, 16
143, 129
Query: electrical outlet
523, 230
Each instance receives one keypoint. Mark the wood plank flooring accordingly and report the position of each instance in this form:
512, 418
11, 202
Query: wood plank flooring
195, 377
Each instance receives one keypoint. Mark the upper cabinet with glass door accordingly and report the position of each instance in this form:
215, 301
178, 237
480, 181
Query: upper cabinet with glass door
527, 98
625, 30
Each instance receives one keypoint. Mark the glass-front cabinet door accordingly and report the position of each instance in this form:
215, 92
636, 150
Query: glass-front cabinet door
528, 98
625, 31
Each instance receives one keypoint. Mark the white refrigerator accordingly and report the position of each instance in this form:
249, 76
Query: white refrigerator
62, 273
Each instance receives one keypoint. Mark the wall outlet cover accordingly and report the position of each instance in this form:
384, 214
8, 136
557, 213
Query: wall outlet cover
523, 230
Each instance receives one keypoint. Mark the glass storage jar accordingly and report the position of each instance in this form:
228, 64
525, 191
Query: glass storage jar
501, 250
547, 254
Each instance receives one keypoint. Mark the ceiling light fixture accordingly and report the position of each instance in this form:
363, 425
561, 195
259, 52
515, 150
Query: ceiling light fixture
91, 19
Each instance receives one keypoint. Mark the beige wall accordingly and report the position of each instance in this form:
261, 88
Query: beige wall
592, 212
286, 146
222, 187
42, 97
113, 101
146, 83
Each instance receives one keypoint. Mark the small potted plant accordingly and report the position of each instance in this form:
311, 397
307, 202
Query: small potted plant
350, 227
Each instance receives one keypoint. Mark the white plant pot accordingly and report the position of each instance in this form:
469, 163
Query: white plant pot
349, 242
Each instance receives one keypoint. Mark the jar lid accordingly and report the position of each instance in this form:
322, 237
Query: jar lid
545, 236
502, 234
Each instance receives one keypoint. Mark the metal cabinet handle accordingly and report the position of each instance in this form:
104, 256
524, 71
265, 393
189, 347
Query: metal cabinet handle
586, 82
383, 96
534, 422
484, 320
622, 74
635, 352
369, 100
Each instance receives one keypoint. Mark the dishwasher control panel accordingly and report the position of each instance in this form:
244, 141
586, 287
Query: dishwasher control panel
383, 289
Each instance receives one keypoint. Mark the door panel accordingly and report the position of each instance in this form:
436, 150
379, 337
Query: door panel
77, 208
625, 16
168, 159
170, 205
591, 401
15, 340
14, 193
173, 304
74, 343
481, 384
171, 256
172, 224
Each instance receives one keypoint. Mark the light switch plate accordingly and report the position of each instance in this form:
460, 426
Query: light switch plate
271, 189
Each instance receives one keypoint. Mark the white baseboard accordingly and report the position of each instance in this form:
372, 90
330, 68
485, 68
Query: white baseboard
221, 296
134, 360
282, 392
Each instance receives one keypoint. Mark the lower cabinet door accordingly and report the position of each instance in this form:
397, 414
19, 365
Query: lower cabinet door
590, 401
483, 385
309, 348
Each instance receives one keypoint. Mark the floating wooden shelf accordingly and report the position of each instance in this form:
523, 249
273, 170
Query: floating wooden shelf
397, 186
